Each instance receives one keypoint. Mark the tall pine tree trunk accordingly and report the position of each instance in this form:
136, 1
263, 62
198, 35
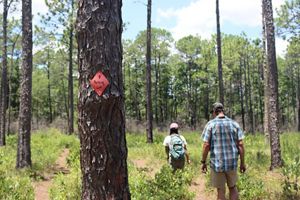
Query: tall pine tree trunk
101, 119
4, 89
24, 152
219, 50
70, 78
273, 121
265, 76
148, 76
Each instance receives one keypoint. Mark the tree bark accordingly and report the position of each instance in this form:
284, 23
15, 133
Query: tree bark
273, 121
4, 89
70, 76
219, 49
148, 76
265, 76
101, 119
24, 152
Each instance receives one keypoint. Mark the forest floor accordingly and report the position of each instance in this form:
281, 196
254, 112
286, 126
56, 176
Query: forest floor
41, 187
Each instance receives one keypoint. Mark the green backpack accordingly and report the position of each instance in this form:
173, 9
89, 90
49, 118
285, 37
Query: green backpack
176, 147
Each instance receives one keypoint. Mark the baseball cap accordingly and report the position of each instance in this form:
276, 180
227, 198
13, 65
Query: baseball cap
174, 125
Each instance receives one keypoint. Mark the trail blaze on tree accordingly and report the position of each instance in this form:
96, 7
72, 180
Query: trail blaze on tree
101, 119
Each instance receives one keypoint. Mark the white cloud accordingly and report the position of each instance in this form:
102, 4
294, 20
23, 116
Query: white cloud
281, 46
38, 6
199, 16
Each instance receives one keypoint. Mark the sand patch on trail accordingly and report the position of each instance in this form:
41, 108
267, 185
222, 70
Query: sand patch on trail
198, 187
149, 167
41, 188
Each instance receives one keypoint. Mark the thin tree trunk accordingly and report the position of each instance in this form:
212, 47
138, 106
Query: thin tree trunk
242, 95
206, 104
9, 83
24, 152
219, 49
49, 87
298, 99
273, 121
3, 99
148, 76
246, 94
156, 91
101, 118
251, 115
70, 79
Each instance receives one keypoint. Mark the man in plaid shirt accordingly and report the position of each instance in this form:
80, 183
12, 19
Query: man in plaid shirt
223, 137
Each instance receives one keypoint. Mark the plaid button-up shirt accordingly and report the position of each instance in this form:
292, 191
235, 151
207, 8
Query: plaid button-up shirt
223, 134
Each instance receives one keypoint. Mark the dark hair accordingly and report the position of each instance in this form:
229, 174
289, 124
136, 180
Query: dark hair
173, 131
218, 110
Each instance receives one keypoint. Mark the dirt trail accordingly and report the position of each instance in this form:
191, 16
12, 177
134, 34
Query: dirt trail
41, 188
198, 187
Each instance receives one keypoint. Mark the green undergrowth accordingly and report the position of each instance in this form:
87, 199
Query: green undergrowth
46, 146
150, 177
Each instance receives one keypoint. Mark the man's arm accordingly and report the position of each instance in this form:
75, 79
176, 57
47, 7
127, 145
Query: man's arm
167, 150
205, 150
187, 155
242, 156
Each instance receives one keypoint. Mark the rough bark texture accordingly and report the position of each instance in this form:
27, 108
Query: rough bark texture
148, 76
3, 99
273, 121
24, 153
101, 122
219, 49
70, 78
265, 75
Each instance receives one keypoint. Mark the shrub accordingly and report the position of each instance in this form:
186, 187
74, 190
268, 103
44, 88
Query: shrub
165, 186
15, 188
291, 185
250, 188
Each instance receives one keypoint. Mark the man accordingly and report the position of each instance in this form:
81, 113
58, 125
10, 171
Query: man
223, 137
176, 148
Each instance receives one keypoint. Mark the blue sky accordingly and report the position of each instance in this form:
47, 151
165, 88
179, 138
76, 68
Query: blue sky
184, 17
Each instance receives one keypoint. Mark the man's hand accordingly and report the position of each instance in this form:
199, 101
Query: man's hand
242, 168
189, 161
204, 168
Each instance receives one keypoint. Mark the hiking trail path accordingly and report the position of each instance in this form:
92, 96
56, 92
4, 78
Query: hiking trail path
41, 188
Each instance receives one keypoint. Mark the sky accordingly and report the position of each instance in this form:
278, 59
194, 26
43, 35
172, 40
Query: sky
185, 17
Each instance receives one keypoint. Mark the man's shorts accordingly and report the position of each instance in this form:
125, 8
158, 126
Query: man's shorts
218, 179
177, 164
